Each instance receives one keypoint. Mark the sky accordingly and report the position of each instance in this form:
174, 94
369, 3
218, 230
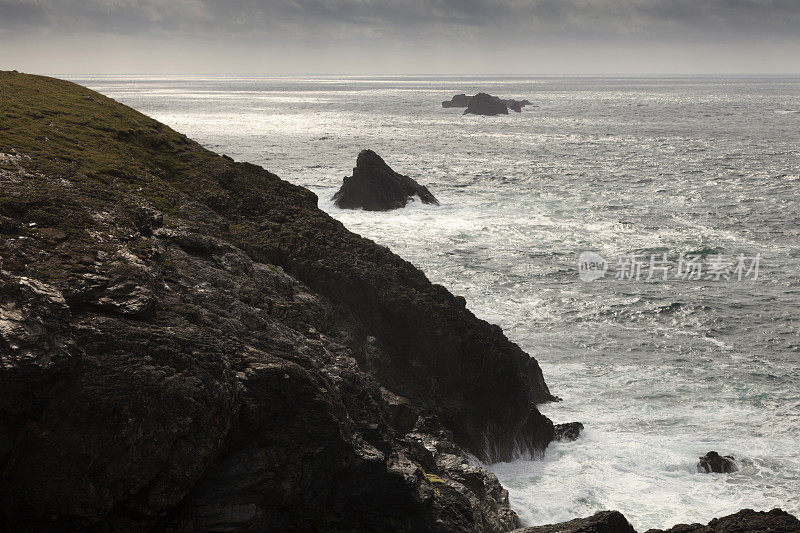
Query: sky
401, 37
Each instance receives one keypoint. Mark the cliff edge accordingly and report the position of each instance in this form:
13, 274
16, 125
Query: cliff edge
187, 342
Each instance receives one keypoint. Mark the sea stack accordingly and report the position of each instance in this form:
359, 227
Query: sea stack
374, 186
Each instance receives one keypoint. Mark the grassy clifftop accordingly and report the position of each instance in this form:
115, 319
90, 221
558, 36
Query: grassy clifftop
147, 337
63, 130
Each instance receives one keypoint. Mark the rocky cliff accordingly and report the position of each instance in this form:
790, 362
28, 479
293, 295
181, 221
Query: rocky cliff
189, 343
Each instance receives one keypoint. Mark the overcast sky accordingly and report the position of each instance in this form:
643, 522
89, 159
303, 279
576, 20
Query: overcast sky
385, 37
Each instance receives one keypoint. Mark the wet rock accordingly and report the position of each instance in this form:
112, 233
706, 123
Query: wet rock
745, 521
600, 522
714, 462
374, 186
568, 431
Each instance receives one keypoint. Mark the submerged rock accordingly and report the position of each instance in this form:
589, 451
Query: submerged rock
374, 186
714, 462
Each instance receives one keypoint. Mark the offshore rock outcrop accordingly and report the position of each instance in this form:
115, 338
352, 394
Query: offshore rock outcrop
189, 343
485, 104
714, 462
374, 186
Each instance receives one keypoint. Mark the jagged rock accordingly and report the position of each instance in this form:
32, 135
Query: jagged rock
745, 521
374, 186
486, 104
249, 365
714, 462
568, 431
600, 522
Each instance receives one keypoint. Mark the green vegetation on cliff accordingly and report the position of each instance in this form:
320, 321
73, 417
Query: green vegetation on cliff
187, 341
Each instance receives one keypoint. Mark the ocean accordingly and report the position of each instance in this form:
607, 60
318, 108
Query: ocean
692, 179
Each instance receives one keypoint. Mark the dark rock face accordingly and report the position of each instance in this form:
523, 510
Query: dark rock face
459, 100
568, 431
485, 104
600, 522
746, 520
374, 186
190, 344
714, 462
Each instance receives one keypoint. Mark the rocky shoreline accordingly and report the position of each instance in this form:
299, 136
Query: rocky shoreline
188, 343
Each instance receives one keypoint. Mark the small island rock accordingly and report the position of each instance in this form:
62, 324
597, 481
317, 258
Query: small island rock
714, 462
374, 186
485, 104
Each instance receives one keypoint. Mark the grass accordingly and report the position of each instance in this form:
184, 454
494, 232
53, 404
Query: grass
104, 149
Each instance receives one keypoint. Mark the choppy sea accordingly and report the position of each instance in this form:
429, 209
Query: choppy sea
705, 170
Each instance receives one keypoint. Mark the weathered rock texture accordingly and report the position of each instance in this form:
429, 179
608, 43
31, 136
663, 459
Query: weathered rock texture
746, 520
374, 186
190, 344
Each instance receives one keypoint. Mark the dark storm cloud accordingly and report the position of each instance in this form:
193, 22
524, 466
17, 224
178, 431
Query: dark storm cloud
401, 36
470, 19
